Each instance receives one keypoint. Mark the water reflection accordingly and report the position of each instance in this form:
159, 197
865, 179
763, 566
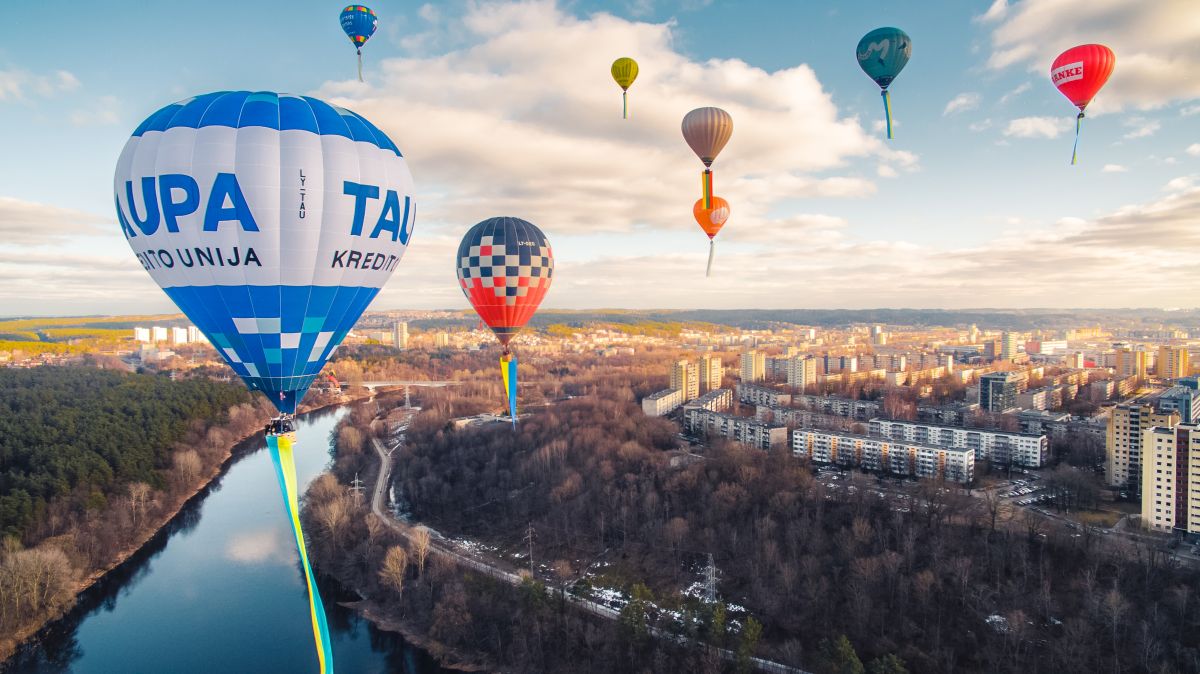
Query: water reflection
219, 589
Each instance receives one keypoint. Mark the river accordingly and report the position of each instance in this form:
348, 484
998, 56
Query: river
220, 589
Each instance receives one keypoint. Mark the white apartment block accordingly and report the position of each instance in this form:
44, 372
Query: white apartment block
179, 336
685, 377
762, 395
662, 402
1123, 441
1171, 478
953, 464
711, 372
801, 372
142, 335
746, 430
842, 407
753, 366
719, 400
158, 334
1021, 449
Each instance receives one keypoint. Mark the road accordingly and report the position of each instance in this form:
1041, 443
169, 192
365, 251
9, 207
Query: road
439, 546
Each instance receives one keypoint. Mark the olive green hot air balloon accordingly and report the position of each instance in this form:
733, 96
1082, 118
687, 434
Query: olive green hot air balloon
706, 131
625, 71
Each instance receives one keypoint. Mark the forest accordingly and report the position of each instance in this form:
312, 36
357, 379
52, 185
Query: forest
838, 581
83, 433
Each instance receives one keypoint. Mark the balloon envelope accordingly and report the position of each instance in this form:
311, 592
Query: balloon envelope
706, 131
1079, 72
271, 220
505, 266
711, 220
624, 71
883, 53
359, 22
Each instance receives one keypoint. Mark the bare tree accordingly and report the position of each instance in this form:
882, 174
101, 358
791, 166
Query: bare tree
395, 566
420, 541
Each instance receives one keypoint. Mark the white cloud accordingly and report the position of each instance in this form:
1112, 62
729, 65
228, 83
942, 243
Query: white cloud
526, 120
104, 112
981, 125
429, 12
28, 222
1142, 127
1193, 149
962, 103
1037, 127
1114, 168
17, 84
1021, 88
1157, 45
1189, 110
997, 11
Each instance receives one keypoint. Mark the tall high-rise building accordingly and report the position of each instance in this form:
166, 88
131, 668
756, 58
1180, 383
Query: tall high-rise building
1075, 360
1130, 362
179, 336
753, 366
400, 335
973, 334
1173, 362
441, 340
711, 372
142, 335
158, 333
998, 391
685, 377
1170, 478
1008, 346
1123, 441
802, 372
195, 335
991, 349
1181, 399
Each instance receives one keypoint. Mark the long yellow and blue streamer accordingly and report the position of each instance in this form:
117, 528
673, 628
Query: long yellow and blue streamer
887, 111
624, 105
285, 472
508, 372
706, 187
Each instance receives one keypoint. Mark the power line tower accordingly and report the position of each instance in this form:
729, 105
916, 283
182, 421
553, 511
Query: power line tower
407, 400
356, 486
710, 581
529, 538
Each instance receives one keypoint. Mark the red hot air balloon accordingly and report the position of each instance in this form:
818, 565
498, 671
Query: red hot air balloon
505, 266
1079, 73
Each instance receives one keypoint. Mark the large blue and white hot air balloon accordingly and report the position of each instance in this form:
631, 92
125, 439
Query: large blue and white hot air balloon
271, 220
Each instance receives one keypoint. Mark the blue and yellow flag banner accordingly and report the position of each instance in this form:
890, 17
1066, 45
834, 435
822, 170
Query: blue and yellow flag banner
508, 371
285, 472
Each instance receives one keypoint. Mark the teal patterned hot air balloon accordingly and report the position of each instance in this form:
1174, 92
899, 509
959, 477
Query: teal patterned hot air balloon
882, 54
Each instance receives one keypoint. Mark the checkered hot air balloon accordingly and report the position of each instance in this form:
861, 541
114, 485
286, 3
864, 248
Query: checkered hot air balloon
505, 266
360, 23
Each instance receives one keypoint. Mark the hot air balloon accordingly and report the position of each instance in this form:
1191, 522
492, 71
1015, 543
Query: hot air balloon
271, 220
360, 23
505, 267
706, 131
1079, 72
882, 54
711, 220
625, 71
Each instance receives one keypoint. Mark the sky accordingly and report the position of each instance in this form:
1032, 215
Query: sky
508, 108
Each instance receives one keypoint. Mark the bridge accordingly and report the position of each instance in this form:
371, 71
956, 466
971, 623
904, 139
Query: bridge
372, 385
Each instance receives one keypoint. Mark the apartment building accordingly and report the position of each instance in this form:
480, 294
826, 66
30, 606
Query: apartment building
762, 395
1020, 449
753, 366
720, 400
1123, 440
953, 464
746, 430
685, 377
1171, 478
662, 402
861, 410
712, 372
801, 372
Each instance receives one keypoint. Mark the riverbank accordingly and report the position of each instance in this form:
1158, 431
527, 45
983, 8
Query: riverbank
447, 658
152, 527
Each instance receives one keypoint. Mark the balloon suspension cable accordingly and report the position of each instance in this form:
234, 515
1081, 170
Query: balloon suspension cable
508, 372
706, 187
1075, 148
624, 104
887, 111
360, 79
285, 472
712, 249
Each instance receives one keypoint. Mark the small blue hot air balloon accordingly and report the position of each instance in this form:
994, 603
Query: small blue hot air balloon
360, 23
882, 54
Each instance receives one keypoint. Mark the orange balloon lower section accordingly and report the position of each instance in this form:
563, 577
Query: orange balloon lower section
711, 220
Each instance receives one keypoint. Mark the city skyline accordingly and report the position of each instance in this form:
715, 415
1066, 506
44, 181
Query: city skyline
826, 213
